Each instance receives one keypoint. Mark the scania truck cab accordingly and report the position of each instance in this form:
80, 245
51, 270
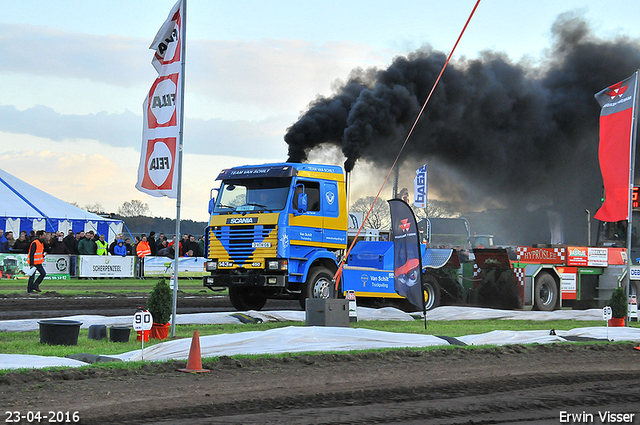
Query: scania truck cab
276, 231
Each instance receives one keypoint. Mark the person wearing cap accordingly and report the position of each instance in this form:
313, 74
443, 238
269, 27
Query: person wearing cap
36, 258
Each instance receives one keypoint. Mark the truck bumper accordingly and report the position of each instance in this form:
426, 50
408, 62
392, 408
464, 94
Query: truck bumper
217, 280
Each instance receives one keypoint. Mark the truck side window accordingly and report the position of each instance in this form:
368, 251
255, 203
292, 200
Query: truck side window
312, 189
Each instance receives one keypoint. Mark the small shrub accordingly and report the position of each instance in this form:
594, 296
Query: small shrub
618, 303
160, 301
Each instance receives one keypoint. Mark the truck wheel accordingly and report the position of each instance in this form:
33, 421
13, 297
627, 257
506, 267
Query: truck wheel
319, 285
244, 299
545, 293
431, 292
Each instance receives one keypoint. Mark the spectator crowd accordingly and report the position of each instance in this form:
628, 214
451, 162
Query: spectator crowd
90, 243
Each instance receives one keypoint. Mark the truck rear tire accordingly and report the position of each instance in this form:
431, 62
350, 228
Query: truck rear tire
244, 299
319, 285
431, 292
545, 292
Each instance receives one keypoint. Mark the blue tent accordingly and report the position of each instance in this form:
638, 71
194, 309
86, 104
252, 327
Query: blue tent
25, 207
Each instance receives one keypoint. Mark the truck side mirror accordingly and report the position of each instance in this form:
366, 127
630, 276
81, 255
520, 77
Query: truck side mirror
302, 203
212, 200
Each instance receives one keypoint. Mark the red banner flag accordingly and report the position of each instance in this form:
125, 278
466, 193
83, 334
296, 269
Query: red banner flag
158, 169
616, 119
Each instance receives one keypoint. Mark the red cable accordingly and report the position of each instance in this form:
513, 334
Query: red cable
338, 274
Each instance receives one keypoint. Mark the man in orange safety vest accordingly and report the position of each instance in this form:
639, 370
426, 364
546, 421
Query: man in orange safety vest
36, 259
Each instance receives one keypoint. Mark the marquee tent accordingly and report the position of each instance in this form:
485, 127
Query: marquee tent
25, 207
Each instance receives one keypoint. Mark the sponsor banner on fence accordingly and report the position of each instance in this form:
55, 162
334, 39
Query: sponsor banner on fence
105, 266
14, 266
163, 266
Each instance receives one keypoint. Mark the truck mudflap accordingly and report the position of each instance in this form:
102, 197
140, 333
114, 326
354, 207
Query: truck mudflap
435, 258
495, 283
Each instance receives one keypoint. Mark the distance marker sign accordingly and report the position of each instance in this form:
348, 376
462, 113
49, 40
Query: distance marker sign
142, 321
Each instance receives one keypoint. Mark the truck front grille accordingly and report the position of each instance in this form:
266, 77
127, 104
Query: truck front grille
236, 243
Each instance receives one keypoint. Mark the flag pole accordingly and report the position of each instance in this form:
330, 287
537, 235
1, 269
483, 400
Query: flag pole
176, 245
634, 132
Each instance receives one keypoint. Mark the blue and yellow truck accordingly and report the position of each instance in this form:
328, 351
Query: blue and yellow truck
276, 231
279, 231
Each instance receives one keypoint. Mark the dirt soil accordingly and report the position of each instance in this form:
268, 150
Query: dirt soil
536, 384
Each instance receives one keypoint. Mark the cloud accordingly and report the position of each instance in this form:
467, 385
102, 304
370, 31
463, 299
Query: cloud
251, 139
44, 51
271, 75
86, 172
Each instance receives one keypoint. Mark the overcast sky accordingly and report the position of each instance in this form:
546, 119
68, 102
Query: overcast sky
75, 74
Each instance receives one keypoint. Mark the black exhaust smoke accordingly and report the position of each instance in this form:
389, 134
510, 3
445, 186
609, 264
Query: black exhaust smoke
515, 132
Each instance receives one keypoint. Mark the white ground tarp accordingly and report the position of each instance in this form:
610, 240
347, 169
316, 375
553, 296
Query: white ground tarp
305, 339
17, 361
479, 313
292, 339
364, 313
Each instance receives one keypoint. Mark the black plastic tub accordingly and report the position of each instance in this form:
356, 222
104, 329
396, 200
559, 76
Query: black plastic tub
97, 332
119, 333
59, 332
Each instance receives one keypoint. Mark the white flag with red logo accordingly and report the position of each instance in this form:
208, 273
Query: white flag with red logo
158, 169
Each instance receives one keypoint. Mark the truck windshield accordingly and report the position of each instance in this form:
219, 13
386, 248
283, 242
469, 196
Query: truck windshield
253, 195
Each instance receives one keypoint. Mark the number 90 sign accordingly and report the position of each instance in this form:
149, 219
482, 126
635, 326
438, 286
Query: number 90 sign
142, 321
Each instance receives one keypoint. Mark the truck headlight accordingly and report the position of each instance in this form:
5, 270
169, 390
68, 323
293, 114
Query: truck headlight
277, 265
212, 266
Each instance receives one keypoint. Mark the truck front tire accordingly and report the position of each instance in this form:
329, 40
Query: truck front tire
545, 292
319, 285
244, 299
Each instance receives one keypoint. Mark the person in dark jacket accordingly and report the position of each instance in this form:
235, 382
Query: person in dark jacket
71, 242
86, 246
127, 244
57, 244
153, 245
21, 246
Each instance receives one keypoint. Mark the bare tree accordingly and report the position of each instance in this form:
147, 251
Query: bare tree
379, 218
435, 208
96, 208
134, 208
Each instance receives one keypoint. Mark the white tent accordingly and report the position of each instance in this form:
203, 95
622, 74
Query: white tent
25, 207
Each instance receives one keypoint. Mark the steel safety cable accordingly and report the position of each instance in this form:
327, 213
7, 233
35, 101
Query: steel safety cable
338, 273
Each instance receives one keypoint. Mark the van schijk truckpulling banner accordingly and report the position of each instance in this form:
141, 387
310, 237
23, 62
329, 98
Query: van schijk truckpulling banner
158, 170
616, 121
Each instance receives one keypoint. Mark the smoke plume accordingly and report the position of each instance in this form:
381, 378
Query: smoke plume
522, 135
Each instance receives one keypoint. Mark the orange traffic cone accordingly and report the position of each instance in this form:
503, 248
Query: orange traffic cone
194, 362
